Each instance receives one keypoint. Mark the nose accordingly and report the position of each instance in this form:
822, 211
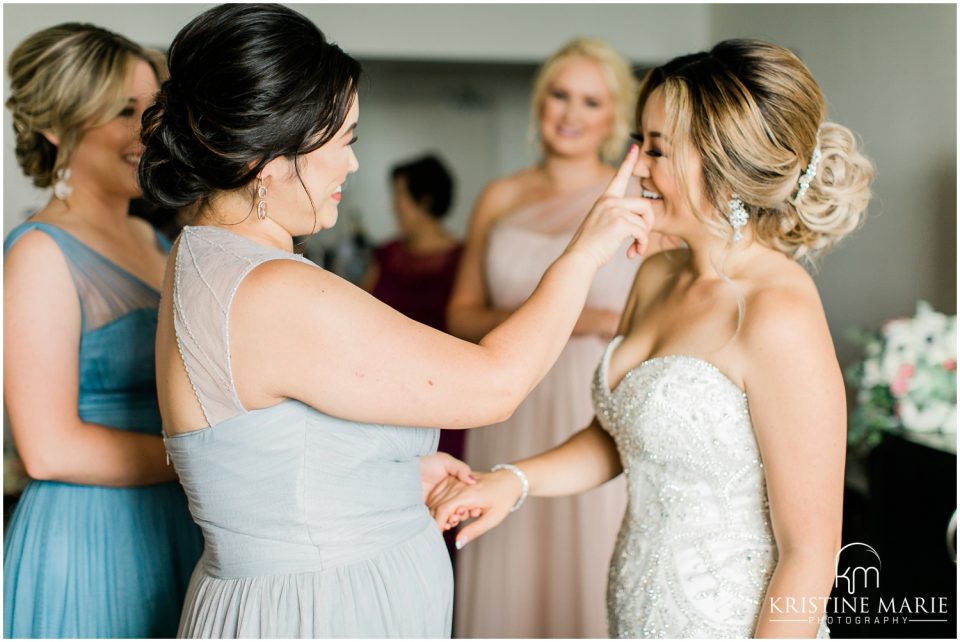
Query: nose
354, 163
642, 169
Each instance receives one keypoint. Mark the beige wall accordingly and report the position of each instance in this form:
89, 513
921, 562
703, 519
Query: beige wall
889, 72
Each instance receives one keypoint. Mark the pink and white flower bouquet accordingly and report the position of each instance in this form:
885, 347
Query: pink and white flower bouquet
907, 381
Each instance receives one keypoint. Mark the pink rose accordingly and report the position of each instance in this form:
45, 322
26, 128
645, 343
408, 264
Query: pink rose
950, 365
901, 383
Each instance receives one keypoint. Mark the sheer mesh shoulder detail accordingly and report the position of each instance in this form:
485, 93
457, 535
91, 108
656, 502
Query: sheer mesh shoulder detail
106, 291
210, 264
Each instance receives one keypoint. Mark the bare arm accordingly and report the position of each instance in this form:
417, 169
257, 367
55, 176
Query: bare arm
469, 313
586, 460
798, 409
370, 277
41, 380
335, 348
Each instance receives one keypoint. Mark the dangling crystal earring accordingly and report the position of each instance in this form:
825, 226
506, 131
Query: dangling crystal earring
262, 203
61, 188
737, 216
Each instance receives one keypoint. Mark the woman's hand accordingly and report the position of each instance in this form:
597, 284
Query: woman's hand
614, 210
438, 469
490, 499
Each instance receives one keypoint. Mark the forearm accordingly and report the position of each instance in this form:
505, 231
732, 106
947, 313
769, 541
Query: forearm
597, 322
92, 454
473, 322
528, 343
586, 460
795, 599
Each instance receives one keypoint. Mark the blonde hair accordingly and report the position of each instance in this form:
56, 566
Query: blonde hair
620, 83
753, 113
64, 80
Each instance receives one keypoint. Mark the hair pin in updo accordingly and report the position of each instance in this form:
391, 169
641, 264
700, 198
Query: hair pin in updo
808, 175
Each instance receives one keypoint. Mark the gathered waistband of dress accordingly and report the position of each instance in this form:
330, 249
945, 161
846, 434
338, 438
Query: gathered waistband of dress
272, 558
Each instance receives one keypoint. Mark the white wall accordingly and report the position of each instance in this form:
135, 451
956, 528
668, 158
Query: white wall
889, 72
475, 32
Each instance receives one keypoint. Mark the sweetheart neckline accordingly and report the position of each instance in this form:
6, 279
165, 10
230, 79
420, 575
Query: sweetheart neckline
605, 367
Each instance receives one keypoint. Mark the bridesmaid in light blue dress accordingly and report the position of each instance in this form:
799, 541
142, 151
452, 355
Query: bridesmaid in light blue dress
300, 412
101, 543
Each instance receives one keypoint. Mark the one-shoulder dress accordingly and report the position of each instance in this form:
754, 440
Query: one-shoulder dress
314, 525
96, 561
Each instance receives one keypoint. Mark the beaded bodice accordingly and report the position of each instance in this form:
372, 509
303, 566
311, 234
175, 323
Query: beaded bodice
695, 551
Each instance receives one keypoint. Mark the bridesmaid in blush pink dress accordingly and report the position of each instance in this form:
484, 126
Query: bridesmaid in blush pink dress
544, 572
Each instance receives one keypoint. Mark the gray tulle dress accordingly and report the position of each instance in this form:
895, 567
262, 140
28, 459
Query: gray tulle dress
314, 526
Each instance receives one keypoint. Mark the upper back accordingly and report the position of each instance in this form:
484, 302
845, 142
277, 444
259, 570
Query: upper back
194, 375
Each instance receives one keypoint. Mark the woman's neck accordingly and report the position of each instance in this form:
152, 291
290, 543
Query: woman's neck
428, 236
712, 257
103, 213
235, 214
567, 174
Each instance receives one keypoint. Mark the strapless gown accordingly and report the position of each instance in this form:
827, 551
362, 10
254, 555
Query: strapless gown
696, 550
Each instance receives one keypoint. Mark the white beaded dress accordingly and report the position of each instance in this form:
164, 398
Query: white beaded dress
696, 550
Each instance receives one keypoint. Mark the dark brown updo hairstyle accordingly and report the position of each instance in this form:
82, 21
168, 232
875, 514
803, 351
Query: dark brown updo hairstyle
65, 80
248, 83
753, 114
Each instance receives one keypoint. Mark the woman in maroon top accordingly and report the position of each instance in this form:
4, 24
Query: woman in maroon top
414, 273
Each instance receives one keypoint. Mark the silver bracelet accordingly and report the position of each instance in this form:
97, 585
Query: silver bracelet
524, 482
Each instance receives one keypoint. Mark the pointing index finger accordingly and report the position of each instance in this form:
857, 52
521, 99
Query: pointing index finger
618, 184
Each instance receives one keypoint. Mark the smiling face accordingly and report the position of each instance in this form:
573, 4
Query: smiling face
323, 172
105, 158
577, 113
659, 178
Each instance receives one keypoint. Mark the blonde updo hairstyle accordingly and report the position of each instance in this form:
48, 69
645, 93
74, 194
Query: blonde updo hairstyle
65, 80
620, 83
753, 114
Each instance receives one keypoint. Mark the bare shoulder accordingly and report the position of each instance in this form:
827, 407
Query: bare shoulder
34, 251
282, 284
502, 195
783, 314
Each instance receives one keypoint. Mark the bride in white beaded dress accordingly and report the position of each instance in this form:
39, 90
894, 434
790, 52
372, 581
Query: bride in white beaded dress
721, 398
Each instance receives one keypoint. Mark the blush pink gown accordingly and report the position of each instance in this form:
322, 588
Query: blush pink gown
543, 571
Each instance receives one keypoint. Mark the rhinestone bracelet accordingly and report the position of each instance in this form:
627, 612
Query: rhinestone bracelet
524, 482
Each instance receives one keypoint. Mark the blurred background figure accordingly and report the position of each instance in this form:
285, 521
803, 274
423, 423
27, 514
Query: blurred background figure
544, 572
101, 543
414, 272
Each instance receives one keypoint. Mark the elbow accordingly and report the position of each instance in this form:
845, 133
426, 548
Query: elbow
42, 467
455, 322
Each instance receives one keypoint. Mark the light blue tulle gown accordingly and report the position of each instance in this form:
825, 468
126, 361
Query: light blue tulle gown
93, 561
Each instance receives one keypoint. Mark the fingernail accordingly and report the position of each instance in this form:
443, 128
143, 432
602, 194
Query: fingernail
472, 478
460, 544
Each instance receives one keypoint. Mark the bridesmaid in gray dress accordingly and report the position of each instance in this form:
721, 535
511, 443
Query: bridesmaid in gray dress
301, 413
